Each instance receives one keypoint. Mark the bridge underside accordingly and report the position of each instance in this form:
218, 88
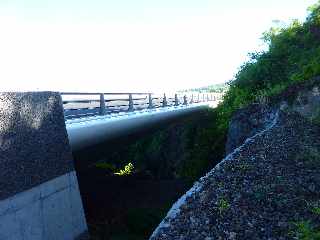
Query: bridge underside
88, 131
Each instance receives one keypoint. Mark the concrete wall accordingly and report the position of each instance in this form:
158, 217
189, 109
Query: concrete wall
39, 195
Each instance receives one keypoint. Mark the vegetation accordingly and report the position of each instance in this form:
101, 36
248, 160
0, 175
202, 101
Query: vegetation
293, 56
215, 88
314, 207
184, 149
110, 168
126, 171
223, 205
305, 231
191, 147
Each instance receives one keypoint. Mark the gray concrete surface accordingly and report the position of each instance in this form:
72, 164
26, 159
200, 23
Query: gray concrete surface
39, 194
34, 147
51, 210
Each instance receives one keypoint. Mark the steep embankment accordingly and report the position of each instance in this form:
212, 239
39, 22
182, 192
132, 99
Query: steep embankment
266, 188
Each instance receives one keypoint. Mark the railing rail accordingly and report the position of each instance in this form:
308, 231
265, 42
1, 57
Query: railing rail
91, 104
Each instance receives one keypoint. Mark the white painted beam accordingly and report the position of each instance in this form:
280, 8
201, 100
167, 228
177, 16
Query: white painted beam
89, 131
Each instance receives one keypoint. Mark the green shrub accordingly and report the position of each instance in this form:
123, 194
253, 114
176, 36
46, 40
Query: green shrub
126, 171
293, 56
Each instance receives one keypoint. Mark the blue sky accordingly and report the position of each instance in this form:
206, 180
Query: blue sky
127, 45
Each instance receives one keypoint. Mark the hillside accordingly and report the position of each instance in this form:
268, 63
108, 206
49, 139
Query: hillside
215, 88
267, 186
293, 56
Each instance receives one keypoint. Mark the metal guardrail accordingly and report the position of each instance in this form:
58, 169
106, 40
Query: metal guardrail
77, 104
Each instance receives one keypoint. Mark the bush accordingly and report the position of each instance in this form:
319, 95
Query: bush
293, 56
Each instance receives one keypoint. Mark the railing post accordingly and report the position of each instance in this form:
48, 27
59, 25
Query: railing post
102, 105
185, 101
164, 101
202, 97
150, 101
198, 97
207, 97
191, 101
176, 100
130, 109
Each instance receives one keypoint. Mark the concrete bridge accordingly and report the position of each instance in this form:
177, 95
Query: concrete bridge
95, 117
39, 193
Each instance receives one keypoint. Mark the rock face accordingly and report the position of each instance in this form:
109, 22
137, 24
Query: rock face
302, 98
246, 123
267, 186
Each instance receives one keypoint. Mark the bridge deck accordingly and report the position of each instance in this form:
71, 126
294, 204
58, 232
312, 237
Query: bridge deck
79, 105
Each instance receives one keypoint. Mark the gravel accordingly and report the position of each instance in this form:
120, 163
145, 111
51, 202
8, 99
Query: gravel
259, 191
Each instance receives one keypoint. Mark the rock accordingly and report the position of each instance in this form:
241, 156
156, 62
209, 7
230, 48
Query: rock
263, 168
247, 122
264, 184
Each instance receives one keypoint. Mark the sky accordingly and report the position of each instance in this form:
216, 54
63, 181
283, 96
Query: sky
131, 45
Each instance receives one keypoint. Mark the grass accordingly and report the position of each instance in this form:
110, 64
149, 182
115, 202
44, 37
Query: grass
223, 205
304, 230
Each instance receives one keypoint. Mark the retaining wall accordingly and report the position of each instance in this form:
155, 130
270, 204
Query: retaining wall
39, 194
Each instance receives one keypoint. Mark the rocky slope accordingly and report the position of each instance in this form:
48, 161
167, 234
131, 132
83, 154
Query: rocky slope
268, 187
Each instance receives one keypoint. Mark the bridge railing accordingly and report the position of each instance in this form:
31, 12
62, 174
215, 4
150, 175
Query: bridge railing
77, 104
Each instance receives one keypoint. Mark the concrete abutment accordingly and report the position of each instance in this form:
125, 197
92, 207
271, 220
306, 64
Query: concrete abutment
39, 193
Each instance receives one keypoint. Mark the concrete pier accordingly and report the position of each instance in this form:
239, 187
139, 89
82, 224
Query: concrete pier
39, 194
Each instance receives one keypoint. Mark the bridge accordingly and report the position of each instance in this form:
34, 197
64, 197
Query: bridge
95, 117
39, 185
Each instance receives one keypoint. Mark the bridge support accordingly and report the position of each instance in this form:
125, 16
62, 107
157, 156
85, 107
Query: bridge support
164, 101
131, 105
102, 105
150, 106
176, 100
185, 100
191, 101
39, 194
